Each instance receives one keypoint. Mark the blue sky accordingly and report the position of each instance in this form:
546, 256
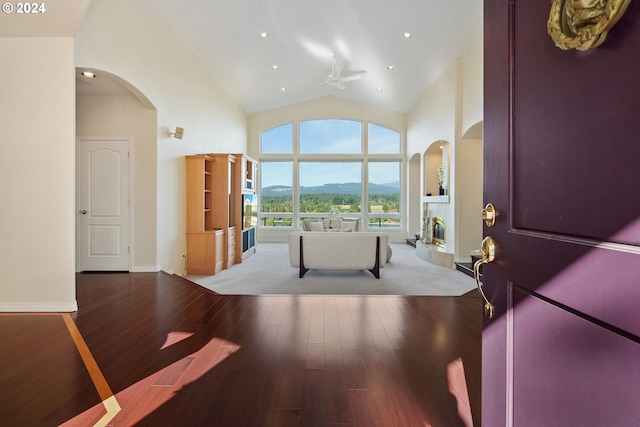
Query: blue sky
329, 137
312, 174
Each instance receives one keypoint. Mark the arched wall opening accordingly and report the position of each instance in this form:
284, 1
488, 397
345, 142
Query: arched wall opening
469, 170
436, 168
110, 108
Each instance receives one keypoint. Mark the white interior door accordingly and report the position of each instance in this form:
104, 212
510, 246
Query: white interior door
103, 210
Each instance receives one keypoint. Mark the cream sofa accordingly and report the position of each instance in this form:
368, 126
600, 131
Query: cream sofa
344, 224
321, 250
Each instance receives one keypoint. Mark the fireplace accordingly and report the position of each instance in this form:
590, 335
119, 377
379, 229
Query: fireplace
432, 247
437, 232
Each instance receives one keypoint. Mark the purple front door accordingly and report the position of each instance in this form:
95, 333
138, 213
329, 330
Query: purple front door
562, 168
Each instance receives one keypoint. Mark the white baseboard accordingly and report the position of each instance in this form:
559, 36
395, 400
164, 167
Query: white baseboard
40, 307
145, 269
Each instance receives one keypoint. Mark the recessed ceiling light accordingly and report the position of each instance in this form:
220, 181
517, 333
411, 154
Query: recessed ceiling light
274, 67
379, 89
390, 67
264, 35
88, 74
283, 89
407, 35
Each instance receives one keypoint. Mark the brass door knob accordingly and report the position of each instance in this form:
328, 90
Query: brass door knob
488, 255
489, 215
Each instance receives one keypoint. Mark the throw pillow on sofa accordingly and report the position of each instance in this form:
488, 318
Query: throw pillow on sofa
354, 221
333, 224
315, 226
348, 225
306, 224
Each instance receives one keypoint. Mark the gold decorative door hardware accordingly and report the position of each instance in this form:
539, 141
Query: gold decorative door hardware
488, 255
489, 215
583, 24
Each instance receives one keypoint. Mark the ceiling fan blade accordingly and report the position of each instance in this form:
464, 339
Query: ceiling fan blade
350, 78
335, 67
335, 79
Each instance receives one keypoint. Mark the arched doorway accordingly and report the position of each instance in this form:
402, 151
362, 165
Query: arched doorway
109, 110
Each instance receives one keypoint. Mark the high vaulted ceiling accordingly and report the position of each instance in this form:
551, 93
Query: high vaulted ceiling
304, 34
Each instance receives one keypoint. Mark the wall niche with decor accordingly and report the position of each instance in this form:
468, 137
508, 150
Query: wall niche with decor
436, 169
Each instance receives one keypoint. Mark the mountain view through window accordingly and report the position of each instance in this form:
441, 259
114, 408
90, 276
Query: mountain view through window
331, 175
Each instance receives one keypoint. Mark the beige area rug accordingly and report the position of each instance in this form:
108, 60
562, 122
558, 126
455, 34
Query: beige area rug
268, 272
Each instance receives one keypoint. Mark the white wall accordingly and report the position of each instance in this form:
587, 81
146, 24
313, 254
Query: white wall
471, 88
126, 116
434, 117
469, 197
37, 164
414, 203
129, 41
446, 110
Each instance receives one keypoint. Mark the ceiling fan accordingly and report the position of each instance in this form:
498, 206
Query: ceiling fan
336, 78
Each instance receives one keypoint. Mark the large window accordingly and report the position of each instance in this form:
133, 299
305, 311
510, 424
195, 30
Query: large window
277, 140
327, 185
330, 164
276, 194
384, 194
383, 140
330, 136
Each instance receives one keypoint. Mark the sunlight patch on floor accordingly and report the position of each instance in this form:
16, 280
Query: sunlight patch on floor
175, 337
458, 388
132, 405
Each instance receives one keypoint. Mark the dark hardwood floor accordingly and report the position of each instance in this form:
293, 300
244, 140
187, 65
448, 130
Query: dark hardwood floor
152, 349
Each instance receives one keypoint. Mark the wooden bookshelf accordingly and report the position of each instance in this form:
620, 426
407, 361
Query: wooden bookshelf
217, 237
205, 241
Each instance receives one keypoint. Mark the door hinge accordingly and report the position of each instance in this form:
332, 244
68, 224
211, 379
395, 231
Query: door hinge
128, 249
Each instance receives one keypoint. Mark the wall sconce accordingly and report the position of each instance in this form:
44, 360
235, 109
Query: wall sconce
177, 134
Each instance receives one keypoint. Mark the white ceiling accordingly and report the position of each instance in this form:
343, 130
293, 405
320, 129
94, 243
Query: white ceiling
304, 34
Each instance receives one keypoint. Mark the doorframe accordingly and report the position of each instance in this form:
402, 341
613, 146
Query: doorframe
131, 148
